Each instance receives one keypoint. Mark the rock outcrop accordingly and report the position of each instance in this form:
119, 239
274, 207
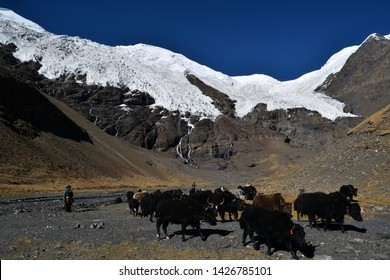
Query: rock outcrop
364, 81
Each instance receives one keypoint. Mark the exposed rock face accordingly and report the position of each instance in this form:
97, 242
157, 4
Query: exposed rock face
262, 145
44, 142
221, 100
190, 137
364, 81
361, 159
301, 127
215, 139
102, 105
28, 113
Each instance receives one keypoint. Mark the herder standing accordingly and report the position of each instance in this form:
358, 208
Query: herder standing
68, 198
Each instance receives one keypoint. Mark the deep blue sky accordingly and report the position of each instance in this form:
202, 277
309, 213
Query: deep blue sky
282, 39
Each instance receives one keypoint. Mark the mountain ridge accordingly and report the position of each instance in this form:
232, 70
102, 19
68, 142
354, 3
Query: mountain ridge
201, 125
162, 74
362, 84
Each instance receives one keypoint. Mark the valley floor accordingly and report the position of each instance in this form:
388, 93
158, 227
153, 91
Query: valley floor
99, 229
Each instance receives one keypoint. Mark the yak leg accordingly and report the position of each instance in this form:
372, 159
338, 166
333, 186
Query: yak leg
164, 227
294, 255
268, 242
131, 209
158, 225
183, 229
310, 216
312, 220
136, 211
151, 216
202, 236
256, 246
235, 215
244, 235
230, 216
342, 226
327, 223
293, 252
222, 215
340, 221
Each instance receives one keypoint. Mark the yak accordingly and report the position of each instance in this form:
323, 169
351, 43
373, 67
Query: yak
182, 212
349, 191
332, 206
228, 202
278, 230
133, 203
272, 202
248, 192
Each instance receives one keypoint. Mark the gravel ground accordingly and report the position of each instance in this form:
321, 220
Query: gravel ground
36, 227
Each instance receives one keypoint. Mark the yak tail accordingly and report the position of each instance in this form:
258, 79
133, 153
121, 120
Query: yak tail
242, 223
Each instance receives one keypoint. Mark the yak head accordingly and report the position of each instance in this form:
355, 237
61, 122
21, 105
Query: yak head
209, 217
298, 241
355, 212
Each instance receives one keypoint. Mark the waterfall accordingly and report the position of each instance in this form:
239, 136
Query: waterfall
96, 118
117, 124
186, 156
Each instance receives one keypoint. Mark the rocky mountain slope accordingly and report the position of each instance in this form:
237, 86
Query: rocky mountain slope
363, 83
155, 98
361, 158
207, 127
45, 144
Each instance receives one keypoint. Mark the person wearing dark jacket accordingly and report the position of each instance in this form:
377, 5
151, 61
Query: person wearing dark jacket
68, 198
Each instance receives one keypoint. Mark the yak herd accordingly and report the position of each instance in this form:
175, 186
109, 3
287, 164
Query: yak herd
268, 216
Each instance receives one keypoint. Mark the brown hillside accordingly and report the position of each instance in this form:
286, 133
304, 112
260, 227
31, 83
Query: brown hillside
45, 144
378, 123
361, 158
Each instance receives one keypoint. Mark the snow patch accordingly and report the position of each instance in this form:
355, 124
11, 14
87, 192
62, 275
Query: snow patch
10, 17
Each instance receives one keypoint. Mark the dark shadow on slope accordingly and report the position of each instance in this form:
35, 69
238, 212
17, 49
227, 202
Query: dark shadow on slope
336, 227
26, 111
308, 251
192, 233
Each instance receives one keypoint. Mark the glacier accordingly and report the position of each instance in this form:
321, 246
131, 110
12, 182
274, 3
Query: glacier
162, 73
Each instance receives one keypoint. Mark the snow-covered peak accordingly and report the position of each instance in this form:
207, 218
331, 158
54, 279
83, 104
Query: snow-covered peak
9, 16
376, 37
162, 73
295, 93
